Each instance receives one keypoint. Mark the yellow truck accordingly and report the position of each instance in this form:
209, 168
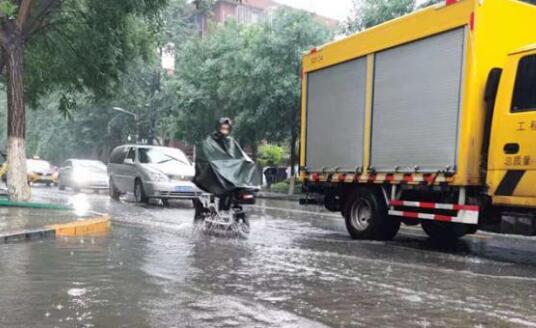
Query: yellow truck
427, 119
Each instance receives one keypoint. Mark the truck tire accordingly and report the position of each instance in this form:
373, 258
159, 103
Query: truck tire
366, 216
443, 231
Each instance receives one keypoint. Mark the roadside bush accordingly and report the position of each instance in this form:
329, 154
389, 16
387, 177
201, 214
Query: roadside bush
271, 155
281, 187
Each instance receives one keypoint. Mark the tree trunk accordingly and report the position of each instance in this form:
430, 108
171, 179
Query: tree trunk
254, 151
293, 158
16, 122
293, 151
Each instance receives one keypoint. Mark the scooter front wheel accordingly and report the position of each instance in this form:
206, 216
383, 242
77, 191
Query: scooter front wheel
241, 225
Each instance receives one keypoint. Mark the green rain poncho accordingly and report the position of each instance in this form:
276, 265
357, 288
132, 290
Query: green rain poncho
221, 166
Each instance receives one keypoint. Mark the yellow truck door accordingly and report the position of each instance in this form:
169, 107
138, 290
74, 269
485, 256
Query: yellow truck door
512, 157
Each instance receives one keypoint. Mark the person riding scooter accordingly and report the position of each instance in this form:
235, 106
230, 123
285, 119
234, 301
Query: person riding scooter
222, 168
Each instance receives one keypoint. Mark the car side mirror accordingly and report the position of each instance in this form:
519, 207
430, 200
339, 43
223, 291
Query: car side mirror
128, 161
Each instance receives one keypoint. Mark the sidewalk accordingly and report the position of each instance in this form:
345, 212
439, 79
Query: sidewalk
26, 222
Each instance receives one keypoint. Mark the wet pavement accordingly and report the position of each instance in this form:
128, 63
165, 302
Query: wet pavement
298, 268
15, 219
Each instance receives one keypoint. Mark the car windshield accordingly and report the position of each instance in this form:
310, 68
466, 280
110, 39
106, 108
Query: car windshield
161, 155
91, 166
37, 165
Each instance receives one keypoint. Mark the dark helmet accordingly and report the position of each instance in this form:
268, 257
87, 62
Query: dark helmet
224, 121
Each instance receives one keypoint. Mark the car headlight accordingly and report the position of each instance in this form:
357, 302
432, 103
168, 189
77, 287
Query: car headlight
157, 176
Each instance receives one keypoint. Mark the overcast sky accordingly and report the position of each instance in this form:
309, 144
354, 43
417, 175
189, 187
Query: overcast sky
339, 9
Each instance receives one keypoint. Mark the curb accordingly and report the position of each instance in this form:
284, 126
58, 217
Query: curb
291, 198
94, 226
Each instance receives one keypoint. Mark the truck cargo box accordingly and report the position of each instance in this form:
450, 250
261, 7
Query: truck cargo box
407, 96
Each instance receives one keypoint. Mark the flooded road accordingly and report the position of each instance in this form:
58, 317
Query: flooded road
298, 268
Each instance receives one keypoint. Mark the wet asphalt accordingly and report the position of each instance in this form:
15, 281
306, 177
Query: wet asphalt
298, 268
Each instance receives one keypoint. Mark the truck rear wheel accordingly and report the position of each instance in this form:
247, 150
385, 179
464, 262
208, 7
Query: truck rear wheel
442, 231
366, 217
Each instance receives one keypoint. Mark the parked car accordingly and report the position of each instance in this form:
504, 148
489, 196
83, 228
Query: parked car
151, 172
83, 174
41, 171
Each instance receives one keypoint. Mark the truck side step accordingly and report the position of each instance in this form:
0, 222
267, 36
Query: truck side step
467, 214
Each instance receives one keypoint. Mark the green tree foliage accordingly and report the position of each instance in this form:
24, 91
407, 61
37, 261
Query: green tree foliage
86, 45
67, 45
91, 131
251, 73
369, 13
271, 155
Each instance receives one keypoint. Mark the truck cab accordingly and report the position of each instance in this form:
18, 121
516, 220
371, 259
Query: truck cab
511, 176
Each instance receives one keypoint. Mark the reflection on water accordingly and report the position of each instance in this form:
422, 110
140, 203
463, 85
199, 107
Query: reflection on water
80, 203
156, 269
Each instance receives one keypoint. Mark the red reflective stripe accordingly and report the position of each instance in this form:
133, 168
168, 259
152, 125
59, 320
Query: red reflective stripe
466, 208
450, 2
443, 218
413, 215
427, 205
455, 207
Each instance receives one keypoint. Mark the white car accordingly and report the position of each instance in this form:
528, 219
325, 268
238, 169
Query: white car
151, 172
83, 174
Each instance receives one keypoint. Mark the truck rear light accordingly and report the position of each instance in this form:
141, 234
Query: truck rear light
450, 2
314, 50
247, 196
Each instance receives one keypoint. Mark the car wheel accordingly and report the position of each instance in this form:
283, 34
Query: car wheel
443, 231
61, 186
112, 189
366, 217
139, 192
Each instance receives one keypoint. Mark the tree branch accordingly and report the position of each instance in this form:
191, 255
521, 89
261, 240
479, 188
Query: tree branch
38, 20
2, 62
3, 37
24, 12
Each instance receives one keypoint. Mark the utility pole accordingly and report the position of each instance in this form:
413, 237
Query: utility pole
136, 120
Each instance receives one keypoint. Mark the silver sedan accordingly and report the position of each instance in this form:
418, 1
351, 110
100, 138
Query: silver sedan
80, 174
